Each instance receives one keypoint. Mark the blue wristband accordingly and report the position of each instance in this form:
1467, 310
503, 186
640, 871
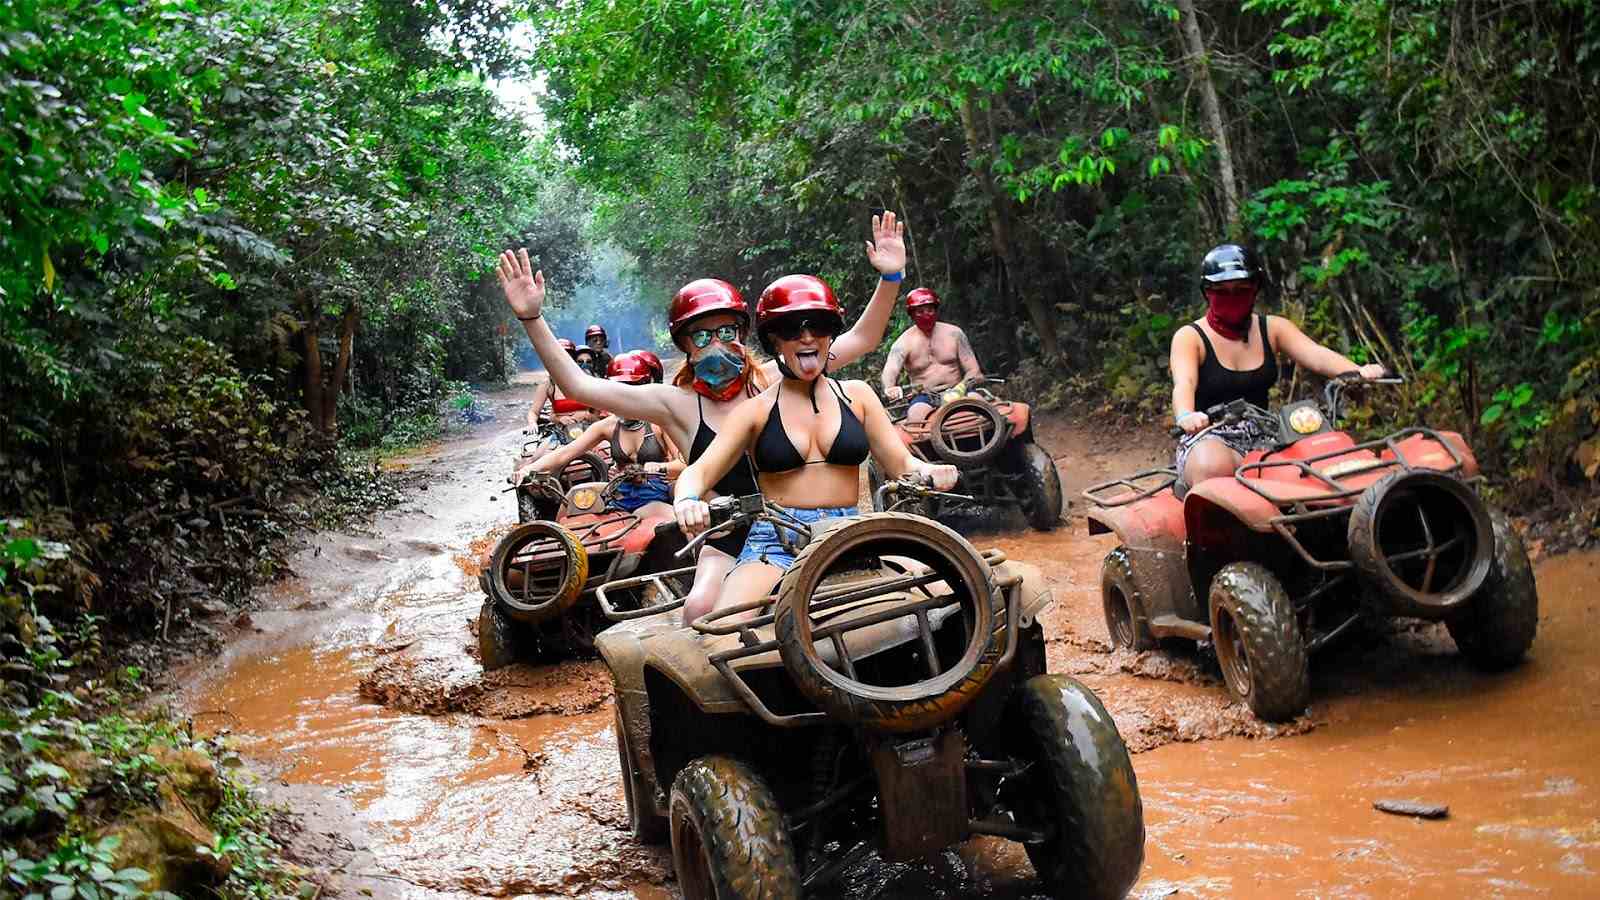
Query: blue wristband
893, 278
690, 497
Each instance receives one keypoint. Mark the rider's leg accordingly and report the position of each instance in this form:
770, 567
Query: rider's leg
749, 581
1210, 458
709, 571
916, 412
655, 508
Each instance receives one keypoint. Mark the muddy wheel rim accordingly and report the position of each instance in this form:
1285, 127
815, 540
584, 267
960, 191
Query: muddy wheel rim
1121, 620
1231, 654
694, 867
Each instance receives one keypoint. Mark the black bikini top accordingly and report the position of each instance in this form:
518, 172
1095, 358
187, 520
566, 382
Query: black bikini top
741, 479
650, 449
774, 452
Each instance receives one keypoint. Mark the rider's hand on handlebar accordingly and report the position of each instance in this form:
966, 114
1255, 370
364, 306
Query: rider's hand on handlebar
1373, 371
693, 515
893, 392
1193, 422
941, 477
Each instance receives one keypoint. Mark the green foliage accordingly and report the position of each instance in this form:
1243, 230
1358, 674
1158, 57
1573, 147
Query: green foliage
1420, 175
71, 765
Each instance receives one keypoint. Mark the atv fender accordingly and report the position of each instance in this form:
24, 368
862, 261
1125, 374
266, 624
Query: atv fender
1152, 530
1020, 418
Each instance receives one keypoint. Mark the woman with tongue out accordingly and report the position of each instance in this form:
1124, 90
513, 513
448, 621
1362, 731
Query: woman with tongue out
1230, 354
807, 436
709, 321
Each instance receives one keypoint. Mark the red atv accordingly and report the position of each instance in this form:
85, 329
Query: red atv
1304, 540
539, 582
991, 442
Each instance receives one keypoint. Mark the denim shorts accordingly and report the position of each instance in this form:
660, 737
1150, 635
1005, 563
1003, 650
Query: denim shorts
633, 494
1240, 437
763, 545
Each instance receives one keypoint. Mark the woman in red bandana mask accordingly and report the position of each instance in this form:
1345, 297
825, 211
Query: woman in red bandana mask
1230, 354
709, 322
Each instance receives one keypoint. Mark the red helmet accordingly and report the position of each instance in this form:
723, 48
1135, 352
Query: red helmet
795, 294
595, 331
570, 347
921, 297
654, 362
702, 297
633, 368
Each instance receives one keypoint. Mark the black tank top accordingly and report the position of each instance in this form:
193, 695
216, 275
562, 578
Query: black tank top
774, 452
1217, 384
650, 449
741, 479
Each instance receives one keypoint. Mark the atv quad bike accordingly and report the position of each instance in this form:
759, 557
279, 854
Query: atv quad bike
539, 581
1306, 539
889, 695
991, 442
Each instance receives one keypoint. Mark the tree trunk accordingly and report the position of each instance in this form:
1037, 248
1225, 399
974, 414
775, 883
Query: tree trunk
311, 388
979, 152
1195, 50
341, 368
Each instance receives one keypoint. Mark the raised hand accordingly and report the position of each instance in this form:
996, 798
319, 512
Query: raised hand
524, 288
887, 249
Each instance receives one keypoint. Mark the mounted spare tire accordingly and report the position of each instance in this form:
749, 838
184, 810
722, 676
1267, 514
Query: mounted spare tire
1423, 540
968, 432
942, 692
537, 572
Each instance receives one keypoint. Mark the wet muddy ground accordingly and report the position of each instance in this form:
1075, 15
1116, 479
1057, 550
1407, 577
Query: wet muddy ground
413, 774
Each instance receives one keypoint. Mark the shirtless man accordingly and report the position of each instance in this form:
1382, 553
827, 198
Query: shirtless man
935, 355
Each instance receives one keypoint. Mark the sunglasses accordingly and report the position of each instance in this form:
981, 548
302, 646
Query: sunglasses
789, 328
700, 337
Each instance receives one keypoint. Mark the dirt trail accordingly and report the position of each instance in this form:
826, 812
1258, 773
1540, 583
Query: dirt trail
418, 776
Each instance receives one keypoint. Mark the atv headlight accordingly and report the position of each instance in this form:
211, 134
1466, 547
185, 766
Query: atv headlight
574, 431
1305, 420
955, 393
585, 500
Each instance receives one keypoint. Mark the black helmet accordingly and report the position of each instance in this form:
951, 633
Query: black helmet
1231, 262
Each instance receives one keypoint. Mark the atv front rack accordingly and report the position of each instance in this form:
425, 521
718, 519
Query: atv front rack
1317, 506
837, 598
1135, 486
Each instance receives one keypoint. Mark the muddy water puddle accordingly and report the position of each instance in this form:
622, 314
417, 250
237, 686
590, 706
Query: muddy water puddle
358, 682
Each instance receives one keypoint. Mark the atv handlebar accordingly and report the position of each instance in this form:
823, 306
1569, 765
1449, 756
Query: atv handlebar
916, 487
1242, 410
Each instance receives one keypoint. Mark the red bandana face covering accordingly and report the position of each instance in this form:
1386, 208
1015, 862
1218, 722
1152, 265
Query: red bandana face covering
925, 319
1228, 310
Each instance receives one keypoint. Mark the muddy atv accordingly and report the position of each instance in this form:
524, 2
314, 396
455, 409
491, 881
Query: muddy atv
990, 441
539, 581
890, 695
1305, 540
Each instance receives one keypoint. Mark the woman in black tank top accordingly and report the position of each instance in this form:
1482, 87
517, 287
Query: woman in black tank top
1230, 354
808, 436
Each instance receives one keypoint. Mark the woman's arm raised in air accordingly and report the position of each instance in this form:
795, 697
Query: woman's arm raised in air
887, 253
592, 437
524, 290
1294, 343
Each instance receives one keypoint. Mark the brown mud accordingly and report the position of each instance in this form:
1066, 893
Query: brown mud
356, 689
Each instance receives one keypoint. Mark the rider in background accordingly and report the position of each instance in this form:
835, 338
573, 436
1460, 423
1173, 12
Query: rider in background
564, 410
1228, 355
807, 435
596, 339
709, 322
935, 356
634, 442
